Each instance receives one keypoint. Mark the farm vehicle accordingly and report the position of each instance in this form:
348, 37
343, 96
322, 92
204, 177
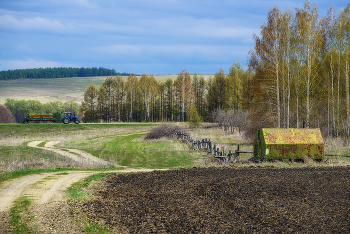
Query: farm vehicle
48, 118
69, 117
39, 118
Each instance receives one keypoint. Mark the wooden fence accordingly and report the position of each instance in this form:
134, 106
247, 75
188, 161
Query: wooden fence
206, 145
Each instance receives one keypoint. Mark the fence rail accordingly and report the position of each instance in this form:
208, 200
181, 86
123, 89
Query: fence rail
222, 156
206, 144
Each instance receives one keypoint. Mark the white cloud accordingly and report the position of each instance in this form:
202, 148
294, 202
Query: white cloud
31, 63
35, 23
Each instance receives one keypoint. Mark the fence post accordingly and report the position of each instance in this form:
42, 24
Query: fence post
237, 153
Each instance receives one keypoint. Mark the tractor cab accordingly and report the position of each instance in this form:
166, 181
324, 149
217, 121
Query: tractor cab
68, 117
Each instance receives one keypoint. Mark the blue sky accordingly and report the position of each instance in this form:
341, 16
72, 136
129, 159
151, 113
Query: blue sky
139, 36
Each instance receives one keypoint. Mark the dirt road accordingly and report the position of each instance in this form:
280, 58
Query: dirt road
45, 187
46, 190
74, 154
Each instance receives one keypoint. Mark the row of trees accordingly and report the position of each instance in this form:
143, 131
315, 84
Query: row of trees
58, 72
147, 99
21, 108
301, 71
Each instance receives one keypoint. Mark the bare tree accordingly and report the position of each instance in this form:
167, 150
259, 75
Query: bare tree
6, 115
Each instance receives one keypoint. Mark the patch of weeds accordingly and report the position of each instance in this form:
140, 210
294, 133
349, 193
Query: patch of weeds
94, 227
42, 144
76, 192
78, 195
88, 180
63, 173
20, 217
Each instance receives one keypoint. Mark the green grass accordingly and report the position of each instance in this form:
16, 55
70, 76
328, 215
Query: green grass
94, 227
132, 150
20, 217
76, 192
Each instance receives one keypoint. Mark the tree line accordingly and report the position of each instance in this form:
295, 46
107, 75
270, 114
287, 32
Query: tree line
58, 72
147, 99
301, 71
21, 108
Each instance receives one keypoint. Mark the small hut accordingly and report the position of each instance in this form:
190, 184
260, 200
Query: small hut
291, 143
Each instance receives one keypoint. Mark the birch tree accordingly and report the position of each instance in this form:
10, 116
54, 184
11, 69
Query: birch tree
265, 59
119, 94
132, 88
310, 44
185, 91
149, 91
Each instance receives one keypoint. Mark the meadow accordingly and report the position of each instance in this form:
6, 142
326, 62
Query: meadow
124, 145
120, 144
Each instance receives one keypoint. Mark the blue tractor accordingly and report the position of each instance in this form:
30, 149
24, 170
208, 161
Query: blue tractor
69, 117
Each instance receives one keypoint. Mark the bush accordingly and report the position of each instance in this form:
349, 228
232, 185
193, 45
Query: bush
6, 115
164, 130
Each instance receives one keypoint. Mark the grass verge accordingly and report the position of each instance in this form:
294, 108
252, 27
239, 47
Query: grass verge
78, 192
21, 218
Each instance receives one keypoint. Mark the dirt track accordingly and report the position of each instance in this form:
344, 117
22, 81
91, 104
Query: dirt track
74, 154
226, 200
47, 190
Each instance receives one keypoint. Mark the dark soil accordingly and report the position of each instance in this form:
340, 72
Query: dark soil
226, 200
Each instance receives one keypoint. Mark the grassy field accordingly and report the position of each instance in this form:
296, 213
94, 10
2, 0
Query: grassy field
121, 144
62, 89
124, 145
133, 150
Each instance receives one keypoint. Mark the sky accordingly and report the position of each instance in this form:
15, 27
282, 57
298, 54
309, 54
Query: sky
135, 36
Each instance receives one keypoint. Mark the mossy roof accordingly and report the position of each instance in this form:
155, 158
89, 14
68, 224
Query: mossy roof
292, 136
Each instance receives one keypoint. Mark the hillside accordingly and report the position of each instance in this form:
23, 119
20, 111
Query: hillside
62, 89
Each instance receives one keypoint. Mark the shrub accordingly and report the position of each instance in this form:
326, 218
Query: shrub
164, 130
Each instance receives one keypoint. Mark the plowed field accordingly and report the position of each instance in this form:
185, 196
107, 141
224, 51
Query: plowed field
225, 200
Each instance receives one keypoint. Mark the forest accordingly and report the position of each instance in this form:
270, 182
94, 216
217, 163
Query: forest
298, 73
147, 99
58, 72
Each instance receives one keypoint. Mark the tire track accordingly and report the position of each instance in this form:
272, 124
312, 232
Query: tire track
76, 155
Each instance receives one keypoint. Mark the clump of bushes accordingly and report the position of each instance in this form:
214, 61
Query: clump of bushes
163, 131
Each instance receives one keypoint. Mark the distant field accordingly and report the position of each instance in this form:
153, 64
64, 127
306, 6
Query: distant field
46, 90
